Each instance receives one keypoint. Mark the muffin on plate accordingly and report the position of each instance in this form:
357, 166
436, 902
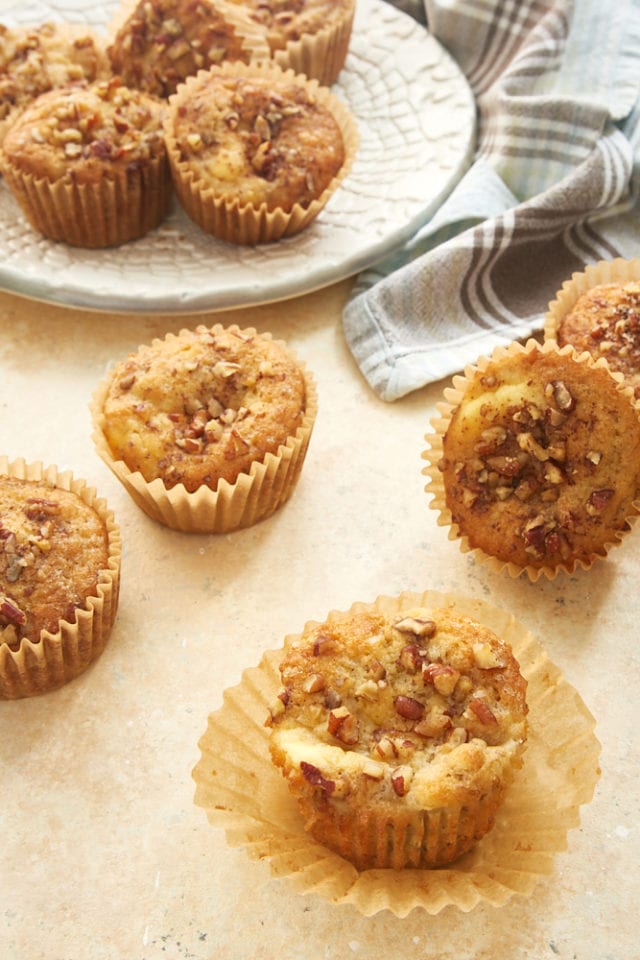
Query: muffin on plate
256, 152
38, 58
159, 43
534, 461
399, 730
88, 165
59, 577
208, 429
310, 36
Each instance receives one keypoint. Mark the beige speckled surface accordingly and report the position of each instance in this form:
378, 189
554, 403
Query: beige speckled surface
104, 854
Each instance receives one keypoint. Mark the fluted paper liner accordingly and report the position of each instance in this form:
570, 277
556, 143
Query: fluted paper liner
321, 55
56, 658
252, 497
605, 271
107, 213
433, 455
243, 793
246, 224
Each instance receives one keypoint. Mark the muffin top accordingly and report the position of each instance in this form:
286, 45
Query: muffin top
539, 459
84, 132
285, 21
255, 139
605, 321
40, 58
419, 707
203, 406
164, 41
52, 548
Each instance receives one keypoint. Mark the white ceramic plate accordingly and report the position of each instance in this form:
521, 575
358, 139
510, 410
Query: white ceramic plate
416, 119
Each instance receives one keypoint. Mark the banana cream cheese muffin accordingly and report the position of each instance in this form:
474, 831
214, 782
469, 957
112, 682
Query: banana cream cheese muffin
203, 406
311, 36
161, 42
59, 576
38, 58
88, 165
605, 321
398, 731
539, 459
256, 152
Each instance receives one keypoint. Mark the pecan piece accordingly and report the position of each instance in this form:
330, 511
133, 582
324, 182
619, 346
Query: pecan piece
343, 726
598, 500
482, 712
409, 708
11, 611
401, 779
442, 676
314, 776
417, 626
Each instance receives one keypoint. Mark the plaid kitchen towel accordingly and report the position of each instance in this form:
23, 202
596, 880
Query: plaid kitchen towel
554, 185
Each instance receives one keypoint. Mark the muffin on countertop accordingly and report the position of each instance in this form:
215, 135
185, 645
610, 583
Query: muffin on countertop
605, 321
59, 575
209, 409
88, 165
399, 731
538, 462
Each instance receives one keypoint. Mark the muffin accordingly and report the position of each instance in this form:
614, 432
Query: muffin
88, 166
255, 151
534, 462
398, 732
161, 42
59, 577
40, 58
605, 321
309, 36
208, 429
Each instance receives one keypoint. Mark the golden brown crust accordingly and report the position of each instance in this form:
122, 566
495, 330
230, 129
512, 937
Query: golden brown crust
538, 460
397, 720
605, 321
203, 406
255, 140
162, 42
85, 133
36, 59
53, 546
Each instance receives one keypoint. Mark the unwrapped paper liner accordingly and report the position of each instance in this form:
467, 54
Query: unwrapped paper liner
56, 658
433, 454
243, 793
252, 497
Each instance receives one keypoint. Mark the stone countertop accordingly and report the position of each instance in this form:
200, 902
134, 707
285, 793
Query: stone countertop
104, 854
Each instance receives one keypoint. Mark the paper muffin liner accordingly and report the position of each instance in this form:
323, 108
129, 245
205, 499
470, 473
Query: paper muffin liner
320, 56
252, 497
242, 791
110, 212
433, 455
246, 224
251, 35
37, 667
